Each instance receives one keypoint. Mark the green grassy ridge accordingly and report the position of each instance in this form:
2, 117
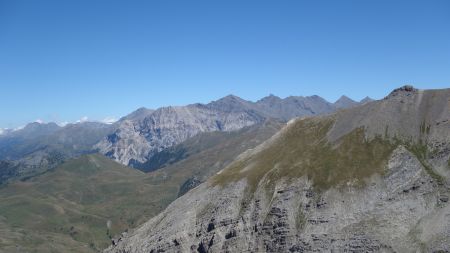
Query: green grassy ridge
303, 150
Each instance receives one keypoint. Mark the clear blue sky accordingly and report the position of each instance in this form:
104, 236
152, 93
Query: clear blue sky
62, 60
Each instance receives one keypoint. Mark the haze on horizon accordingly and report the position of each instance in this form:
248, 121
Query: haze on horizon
63, 61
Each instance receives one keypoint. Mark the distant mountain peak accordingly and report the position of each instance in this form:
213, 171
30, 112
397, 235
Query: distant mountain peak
230, 97
345, 102
366, 100
142, 109
229, 101
140, 113
345, 98
270, 98
41, 124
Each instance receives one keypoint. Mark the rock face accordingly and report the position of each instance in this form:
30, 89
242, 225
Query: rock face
320, 185
136, 141
145, 132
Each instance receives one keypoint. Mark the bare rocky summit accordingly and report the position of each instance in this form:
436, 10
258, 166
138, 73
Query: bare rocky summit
373, 178
345, 102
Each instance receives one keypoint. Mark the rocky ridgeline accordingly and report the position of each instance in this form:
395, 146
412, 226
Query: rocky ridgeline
271, 201
145, 132
134, 142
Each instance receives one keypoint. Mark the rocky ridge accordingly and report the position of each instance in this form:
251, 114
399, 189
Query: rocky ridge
146, 132
373, 178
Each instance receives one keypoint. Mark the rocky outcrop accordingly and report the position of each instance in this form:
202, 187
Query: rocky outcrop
406, 113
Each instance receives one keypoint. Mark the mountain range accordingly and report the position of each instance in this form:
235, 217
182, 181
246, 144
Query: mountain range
145, 132
80, 204
371, 178
43, 166
135, 138
39, 147
298, 174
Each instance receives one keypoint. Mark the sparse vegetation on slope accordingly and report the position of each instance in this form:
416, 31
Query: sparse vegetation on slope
68, 209
302, 149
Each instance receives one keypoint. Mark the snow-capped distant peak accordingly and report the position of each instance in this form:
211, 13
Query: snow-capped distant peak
18, 128
82, 120
62, 124
109, 120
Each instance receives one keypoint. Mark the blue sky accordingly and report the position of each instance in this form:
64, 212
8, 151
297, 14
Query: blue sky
63, 60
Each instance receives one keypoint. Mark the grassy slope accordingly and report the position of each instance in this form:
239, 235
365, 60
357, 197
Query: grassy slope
305, 149
302, 149
67, 209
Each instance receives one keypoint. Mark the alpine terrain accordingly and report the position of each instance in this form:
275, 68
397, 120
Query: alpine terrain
138, 136
371, 178
145, 132
79, 205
